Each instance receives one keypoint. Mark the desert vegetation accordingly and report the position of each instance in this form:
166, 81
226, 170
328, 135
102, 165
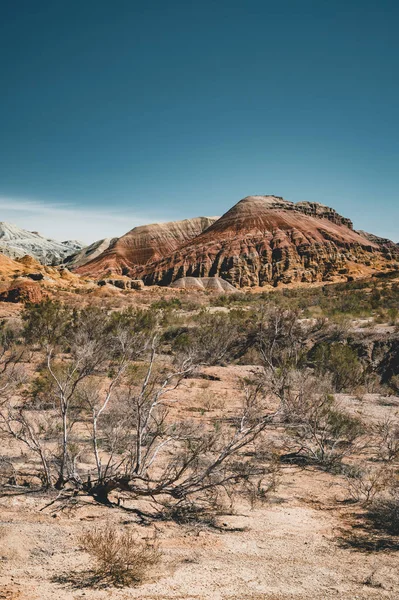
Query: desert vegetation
120, 410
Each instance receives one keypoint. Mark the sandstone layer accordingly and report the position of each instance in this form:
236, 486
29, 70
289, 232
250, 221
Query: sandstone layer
22, 279
22, 291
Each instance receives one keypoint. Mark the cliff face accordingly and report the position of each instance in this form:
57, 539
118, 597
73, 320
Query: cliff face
314, 209
267, 240
145, 244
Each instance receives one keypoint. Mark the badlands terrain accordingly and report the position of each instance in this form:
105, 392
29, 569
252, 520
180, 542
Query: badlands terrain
225, 391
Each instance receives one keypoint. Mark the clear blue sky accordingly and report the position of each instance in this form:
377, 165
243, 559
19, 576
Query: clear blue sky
114, 113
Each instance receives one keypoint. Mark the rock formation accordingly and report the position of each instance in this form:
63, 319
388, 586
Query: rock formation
22, 291
30, 270
266, 240
144, 244
89, 253
123, 283
16, 243
212, 284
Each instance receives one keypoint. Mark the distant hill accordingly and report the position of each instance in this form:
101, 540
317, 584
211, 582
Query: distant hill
16, 243
145, 244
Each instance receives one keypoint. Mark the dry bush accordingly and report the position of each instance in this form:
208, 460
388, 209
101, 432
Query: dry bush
342, 362
366, 484
388, 440
320, 431
384, 513
192, 513
210, 400
121, 558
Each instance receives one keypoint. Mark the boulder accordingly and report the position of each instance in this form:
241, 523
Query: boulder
123, 283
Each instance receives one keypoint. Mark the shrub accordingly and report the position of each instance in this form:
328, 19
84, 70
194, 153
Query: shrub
384, 513
121, 558
324, 433
167, 304
388, 440
216, 339
366, 484
341, 361
393, 314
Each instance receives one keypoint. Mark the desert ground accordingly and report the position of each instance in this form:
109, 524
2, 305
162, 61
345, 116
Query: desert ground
307, 539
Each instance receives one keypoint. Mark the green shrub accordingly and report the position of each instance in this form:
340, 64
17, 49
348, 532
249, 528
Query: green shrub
341, 361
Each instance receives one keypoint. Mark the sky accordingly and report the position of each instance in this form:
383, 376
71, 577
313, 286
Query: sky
116, 114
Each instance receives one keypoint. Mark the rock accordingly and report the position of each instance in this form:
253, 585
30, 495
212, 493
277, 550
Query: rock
379, 352
123, 283
137, 284
214, 284
22, 291
89, 253
16, 243
144, 244
315, 209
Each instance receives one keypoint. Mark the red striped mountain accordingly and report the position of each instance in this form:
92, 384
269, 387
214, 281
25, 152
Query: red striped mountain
267, 240
147, 243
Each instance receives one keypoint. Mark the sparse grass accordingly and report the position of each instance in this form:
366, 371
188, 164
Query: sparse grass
120, 557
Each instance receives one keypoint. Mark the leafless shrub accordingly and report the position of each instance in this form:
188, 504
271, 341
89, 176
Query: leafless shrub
320, 430
215, 339
191, 513
366, 484
210, 400
387, 440
120, 557
107, 372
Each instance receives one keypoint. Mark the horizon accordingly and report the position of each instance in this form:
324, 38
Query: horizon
115, 117
70, 211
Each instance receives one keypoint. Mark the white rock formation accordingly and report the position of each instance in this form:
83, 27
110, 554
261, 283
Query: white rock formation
16, 242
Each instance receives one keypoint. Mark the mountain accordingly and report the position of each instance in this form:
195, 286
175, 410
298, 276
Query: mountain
144, 244
88, 253
266, 240
16, 243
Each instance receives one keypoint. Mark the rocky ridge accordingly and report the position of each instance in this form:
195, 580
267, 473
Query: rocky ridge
16, 243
